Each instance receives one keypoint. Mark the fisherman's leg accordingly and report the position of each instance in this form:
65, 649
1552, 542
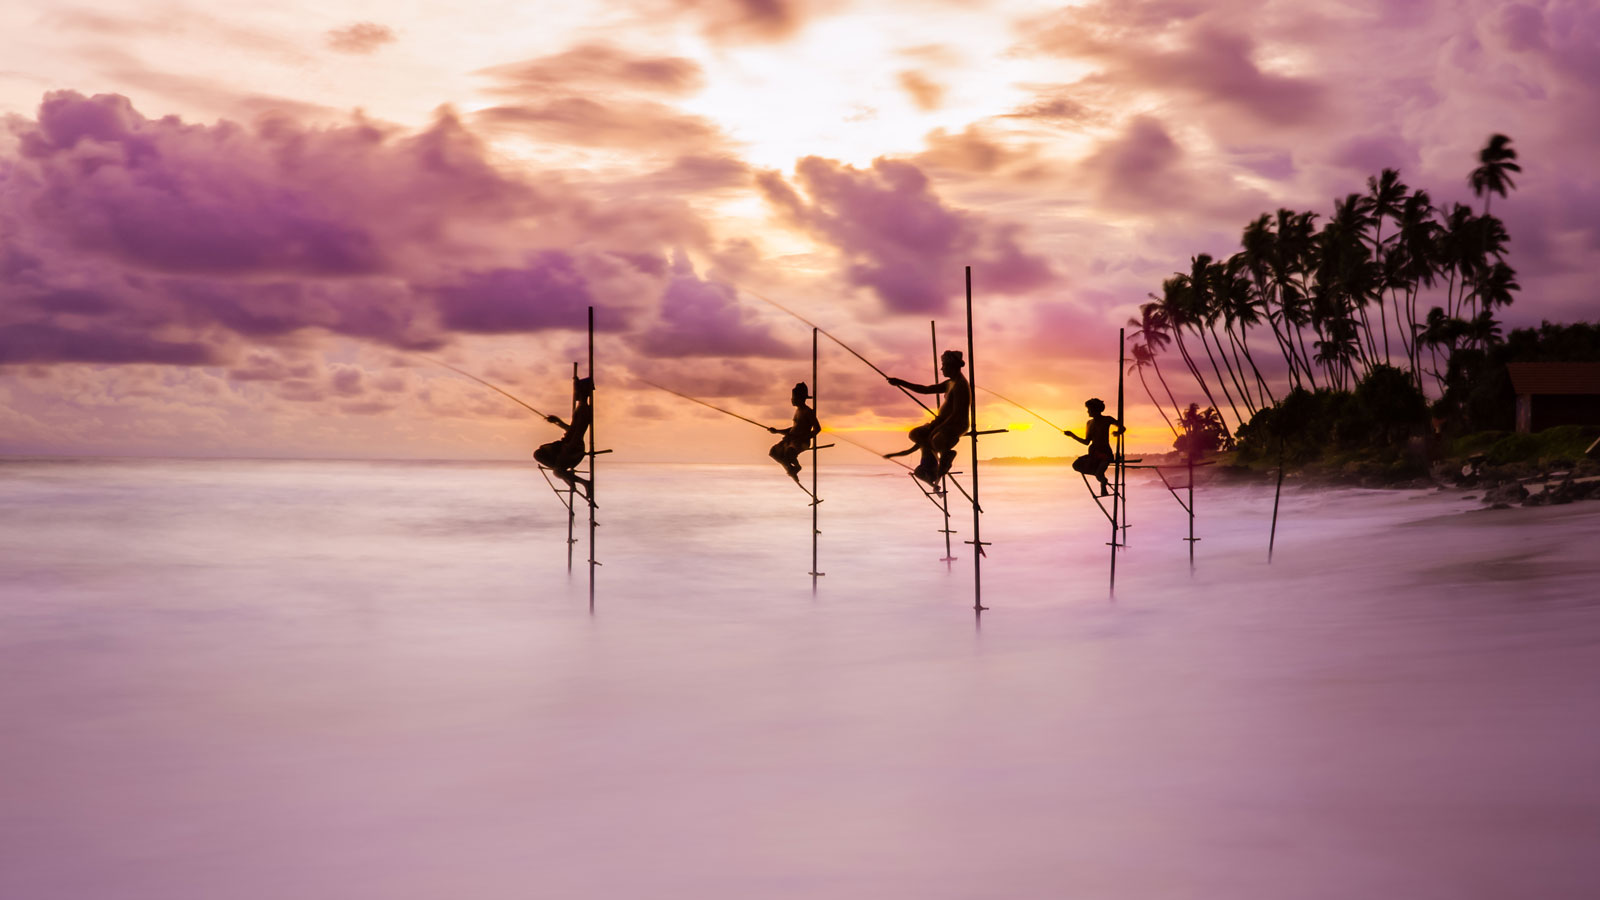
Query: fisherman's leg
779, 454
790, 459
1100, 464
928, 467
546, 455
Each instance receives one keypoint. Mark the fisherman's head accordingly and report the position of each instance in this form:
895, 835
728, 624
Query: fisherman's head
582, 387
1096, 406
800, 394
950, 362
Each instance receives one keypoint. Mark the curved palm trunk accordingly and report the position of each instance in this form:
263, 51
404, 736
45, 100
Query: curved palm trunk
1244, 344
1221, 382
1139, 370
1242, 382
1193, 369
1163, 379
1306, 358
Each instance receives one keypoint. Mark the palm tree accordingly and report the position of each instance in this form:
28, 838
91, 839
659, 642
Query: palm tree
1294, 258
1385, 193
1142, 357
1260, 243
1201, 315
1175, 302
1417, 243
1243, 306
1496, 287
1492, 176
1153, 328
1347, 261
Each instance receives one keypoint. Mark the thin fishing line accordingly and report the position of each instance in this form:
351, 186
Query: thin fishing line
1021, 407
489, 385
703, 403
831, 337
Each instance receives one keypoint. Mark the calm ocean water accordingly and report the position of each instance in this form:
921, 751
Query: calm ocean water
242, 679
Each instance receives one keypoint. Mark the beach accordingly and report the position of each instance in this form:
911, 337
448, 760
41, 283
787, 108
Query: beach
267, 679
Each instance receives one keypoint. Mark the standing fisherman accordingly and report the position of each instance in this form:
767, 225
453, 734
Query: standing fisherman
562, 456
1098, 431
938, 439
798, 436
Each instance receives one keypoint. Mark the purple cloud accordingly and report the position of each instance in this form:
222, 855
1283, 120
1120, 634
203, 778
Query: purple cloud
898, 239
205, 234
546, 292
704, 318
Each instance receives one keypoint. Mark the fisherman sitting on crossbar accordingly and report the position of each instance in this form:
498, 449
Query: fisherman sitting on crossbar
563, 456
797, 437
938, 439
1100, 455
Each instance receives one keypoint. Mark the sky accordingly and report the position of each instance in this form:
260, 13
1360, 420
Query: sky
239, 231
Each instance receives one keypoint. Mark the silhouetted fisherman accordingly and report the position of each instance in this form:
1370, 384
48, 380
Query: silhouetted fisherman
938, 439
564, 455
797, 437
1100, 455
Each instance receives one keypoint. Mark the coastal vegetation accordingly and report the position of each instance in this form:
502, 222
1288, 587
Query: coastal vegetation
1366, 339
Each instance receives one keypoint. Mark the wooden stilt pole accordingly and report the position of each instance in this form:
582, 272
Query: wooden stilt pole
572, 489
1273, 539
944, 483
977, 512
593, 456
816, 408
1191, 537
1117, 474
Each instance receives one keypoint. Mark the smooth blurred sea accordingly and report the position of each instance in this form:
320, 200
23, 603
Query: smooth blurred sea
276, 679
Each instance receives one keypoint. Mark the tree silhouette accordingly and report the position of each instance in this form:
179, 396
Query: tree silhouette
1493, 175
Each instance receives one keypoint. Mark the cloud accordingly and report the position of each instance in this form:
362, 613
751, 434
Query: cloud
741, 21
361, 38
1144, 169
1178, 49
897, 238
601, 96
927, 94
546, 292
1056, 106
156, 240
634, 124
598, 66
704, 318
976, 150
27, 342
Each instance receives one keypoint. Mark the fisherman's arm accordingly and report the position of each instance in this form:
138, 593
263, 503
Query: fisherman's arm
1075, 437
939, 388
556, 420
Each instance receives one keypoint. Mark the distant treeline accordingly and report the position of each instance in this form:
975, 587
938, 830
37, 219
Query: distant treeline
1342, 299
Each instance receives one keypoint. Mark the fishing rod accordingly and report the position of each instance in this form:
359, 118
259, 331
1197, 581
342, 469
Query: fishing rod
490, 386
1021, 407
850, 440
897, 462
765, 299
704, 403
